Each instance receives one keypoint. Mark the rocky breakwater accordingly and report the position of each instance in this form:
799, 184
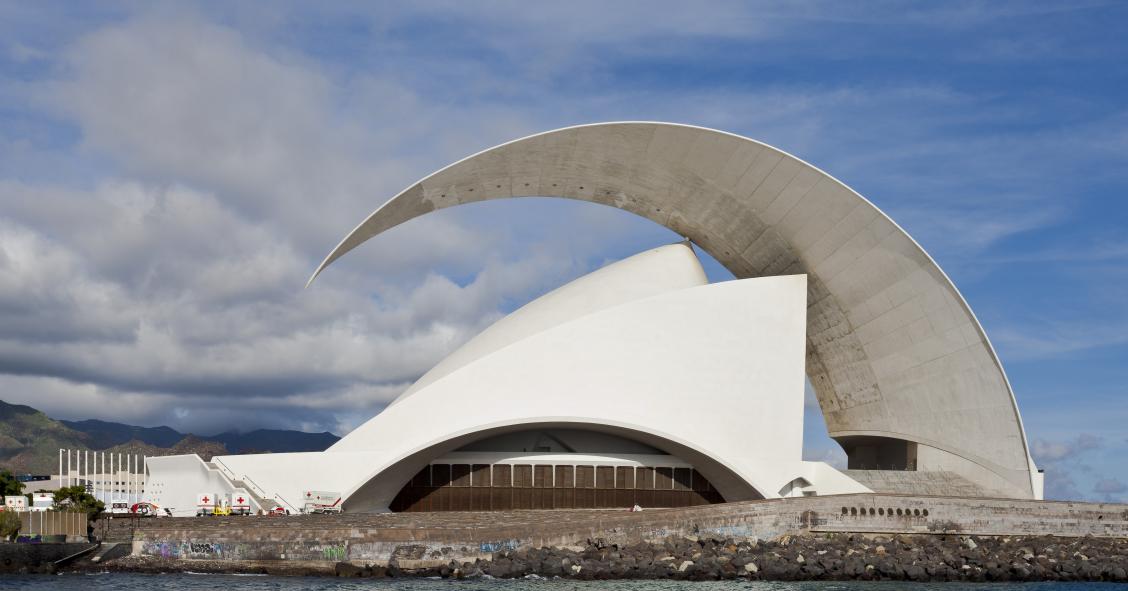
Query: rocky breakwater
793, 558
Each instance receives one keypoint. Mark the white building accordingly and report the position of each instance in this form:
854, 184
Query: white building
642, 383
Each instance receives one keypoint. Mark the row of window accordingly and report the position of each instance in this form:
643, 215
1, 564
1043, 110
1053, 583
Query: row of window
880, 511
544, 476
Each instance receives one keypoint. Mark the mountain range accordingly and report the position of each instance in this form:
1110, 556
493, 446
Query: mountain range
30, 440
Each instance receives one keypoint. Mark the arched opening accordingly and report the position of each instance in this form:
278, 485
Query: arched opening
551, 466
554, 469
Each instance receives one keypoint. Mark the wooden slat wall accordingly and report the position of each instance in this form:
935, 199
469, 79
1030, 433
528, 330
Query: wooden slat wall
501, 494
624, 486
564, 488
585, 487
481, 487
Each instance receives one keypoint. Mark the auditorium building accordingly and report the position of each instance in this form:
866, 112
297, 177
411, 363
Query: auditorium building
642, 383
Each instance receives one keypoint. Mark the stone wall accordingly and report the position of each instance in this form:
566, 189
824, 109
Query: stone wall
418, 538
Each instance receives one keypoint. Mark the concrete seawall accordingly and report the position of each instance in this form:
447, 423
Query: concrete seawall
417, 539
37, 558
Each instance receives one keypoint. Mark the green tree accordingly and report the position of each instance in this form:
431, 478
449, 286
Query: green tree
9, 524
76, 497
9, 485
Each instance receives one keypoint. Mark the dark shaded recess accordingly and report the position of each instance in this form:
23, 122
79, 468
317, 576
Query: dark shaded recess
501, 487
878, 453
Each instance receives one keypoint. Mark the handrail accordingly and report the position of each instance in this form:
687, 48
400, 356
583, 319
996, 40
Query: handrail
260, 492
227, 471
250, 483
66, 559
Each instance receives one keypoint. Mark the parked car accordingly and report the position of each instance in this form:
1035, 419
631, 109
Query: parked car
145, 509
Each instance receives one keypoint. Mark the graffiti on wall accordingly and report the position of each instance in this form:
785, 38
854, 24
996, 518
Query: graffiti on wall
335, 553
499, 546
162, 549
206, 550
731, 531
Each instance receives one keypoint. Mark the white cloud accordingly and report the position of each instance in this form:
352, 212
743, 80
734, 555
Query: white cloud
1062, 461
1055, 451
224, 160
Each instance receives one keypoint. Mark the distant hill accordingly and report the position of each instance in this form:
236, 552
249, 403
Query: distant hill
189, 445
30, 440
274, 440
105, 434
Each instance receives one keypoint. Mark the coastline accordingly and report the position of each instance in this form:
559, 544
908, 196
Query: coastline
821, 557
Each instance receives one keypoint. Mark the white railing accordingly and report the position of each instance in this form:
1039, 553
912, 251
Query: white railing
275, 496
251, 484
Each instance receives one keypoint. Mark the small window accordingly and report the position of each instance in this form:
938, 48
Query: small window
898, 512
854, 511
916, 512
925, 512
845, 511
881, 511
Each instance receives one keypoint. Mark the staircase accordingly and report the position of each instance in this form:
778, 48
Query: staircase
257, 495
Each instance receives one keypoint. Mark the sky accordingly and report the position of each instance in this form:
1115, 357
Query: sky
171, 174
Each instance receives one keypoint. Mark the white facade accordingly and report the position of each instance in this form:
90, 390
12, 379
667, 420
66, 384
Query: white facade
645, 350
893, 349
709, 375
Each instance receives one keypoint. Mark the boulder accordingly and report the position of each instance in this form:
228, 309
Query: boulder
345, 569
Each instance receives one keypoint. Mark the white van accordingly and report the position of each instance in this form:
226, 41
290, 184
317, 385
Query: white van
42, 501
119, 507
319, 501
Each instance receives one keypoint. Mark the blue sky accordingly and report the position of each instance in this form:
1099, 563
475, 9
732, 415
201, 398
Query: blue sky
170, 173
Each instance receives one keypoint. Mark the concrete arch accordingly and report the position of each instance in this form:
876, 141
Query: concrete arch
892, 346
376, 491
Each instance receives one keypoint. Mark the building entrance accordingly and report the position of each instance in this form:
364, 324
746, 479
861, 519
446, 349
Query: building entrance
501, 487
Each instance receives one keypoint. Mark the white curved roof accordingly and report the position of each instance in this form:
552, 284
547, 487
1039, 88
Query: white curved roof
656, 271
709, 373
893, 350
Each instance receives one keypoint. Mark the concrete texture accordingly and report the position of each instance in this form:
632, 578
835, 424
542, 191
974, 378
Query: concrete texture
38, 558
893, 350
912, 482
440, 537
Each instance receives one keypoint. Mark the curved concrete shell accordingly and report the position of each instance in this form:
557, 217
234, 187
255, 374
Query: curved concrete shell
646, 274
607, 355
893, 351
642, 363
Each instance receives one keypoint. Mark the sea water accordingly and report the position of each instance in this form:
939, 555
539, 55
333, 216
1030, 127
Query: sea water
190, 582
